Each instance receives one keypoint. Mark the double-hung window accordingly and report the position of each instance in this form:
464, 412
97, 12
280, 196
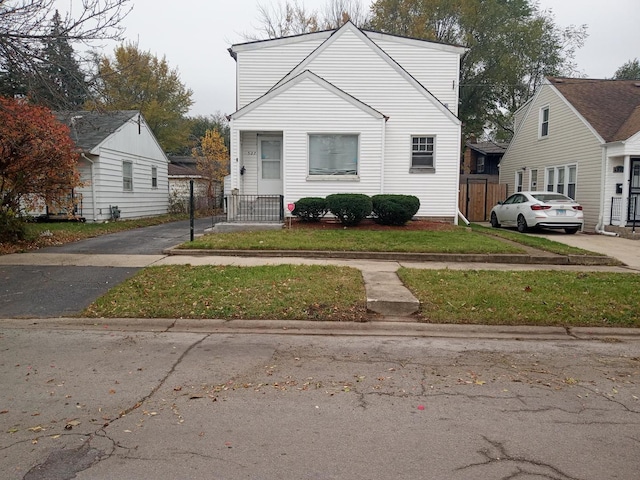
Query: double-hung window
154, 177
422, 153
562, 179
127, 176
544, 122
333, 154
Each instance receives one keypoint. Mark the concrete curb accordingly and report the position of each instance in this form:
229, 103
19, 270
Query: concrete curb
373, 328
409, 257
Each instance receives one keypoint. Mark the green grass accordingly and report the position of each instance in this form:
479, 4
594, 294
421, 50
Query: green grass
534, 242
453, 241
287, 292
526, 298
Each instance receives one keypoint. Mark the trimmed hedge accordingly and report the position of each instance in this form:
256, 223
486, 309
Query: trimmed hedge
350, 208
394, 209
310, 209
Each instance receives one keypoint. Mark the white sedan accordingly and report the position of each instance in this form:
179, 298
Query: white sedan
526, 210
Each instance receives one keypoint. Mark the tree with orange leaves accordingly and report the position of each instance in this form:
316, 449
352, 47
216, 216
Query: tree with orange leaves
212, 159
38, 159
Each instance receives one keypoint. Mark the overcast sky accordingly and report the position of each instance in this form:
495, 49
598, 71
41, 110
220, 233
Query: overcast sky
194, 36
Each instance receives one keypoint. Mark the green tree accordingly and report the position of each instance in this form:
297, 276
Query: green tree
137, 80
198, 127
26, 27
59, 84
512, 47
628, 71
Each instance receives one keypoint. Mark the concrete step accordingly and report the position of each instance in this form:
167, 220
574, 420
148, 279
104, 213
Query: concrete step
386, 295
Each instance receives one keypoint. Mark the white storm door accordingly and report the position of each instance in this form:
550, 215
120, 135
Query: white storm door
269, 165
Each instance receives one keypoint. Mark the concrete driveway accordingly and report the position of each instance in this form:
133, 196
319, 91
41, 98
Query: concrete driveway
623, 249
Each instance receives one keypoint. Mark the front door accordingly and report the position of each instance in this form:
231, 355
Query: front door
269, 165
634, 192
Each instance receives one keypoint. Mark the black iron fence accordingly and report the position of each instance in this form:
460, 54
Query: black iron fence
633, 214
254, 208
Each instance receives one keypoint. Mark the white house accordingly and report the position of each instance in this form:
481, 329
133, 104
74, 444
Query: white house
580, 137
347, 111
122, 166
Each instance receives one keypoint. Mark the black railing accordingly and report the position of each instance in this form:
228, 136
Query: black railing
616, 210
254, 208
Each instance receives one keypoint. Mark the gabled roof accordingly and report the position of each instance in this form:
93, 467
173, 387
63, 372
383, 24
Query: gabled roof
612, 107
350, 27
488, 148
90, 129
307, 75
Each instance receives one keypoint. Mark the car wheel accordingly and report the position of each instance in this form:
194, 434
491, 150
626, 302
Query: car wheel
522, 224
494, 220
571, 231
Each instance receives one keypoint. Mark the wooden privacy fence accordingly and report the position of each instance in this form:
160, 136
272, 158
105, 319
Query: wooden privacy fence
476, 198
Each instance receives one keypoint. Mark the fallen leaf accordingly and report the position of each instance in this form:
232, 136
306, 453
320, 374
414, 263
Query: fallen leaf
3, 411
37, 428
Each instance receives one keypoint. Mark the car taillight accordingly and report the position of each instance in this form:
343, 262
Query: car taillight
577, 207
540, 207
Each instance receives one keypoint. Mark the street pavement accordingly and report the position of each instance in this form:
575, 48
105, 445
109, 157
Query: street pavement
108, 404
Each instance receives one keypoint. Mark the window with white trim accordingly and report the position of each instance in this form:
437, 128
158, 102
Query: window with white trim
543, 132
333, 154
154, 177
519, 180
127, 176
422, 153
562, 179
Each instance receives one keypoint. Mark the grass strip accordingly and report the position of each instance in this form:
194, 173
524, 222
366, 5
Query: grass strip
526, 298
287, 292
455, 241
531, 241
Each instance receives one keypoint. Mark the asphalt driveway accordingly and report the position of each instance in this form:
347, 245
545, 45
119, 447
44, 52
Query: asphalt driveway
54, 291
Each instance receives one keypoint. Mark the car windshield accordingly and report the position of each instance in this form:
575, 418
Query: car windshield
551, 197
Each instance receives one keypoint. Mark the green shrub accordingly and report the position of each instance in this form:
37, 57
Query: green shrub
12, 228
349, 208
394, 209
310, 209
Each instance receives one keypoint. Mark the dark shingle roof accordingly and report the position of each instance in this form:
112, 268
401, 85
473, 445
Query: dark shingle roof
610, 106
89, 129
488, 148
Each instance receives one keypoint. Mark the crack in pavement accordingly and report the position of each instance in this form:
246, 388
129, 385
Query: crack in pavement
497, 453
64, 464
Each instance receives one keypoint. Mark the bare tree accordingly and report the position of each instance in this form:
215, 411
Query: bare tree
280, 19
26, 25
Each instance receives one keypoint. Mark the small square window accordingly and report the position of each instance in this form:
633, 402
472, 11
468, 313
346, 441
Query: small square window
422, 152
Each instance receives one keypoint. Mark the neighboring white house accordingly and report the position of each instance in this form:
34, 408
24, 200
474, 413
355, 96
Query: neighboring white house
121, 164
347, 111
580, 137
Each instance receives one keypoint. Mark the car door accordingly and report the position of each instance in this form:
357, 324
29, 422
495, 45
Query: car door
506, 211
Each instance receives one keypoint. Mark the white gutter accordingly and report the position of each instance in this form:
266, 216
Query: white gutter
384, 146
93, 183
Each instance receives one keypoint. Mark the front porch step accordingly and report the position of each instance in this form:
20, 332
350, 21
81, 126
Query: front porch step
625, 232
227, 227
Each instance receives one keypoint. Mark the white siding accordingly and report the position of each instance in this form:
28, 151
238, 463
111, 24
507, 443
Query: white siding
259, 70
436, 69
569, 142
143, 151
309, 108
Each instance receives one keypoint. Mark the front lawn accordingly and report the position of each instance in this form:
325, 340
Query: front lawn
456, 240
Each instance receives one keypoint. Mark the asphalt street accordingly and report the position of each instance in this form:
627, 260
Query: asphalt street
54, 291
107, 404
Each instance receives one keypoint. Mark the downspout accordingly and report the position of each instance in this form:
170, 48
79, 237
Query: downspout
384, 146
600, 225
93, 183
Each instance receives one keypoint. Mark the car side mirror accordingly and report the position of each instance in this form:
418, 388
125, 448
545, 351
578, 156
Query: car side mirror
500, 202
